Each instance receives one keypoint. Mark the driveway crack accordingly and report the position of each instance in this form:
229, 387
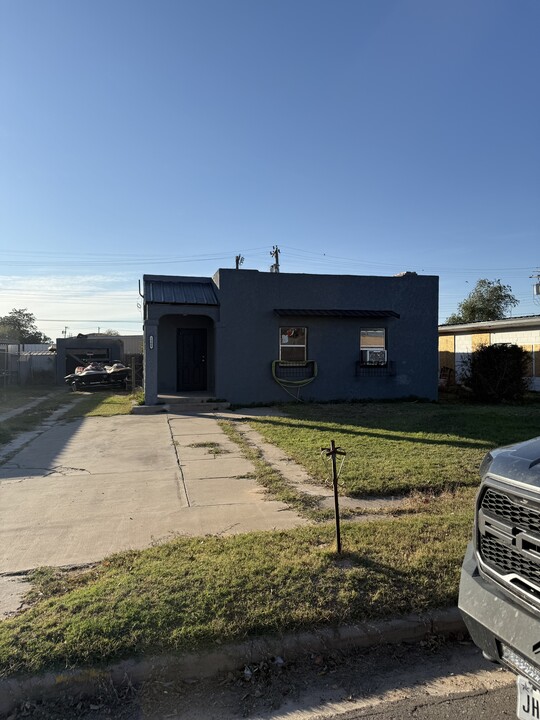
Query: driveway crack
181, 488
63, 470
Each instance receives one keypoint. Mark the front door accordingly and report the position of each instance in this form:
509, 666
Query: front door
191, 355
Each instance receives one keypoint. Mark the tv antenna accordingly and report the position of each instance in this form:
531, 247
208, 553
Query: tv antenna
275, 254
239, 260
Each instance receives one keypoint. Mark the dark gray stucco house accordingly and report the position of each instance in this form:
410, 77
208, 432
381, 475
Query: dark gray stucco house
247, 336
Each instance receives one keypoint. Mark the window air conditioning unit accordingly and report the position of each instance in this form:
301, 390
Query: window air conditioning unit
376, 357
536, 289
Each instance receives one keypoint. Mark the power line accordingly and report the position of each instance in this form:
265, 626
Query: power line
319, 258
122, 255
325, 258
108, 321
105, 259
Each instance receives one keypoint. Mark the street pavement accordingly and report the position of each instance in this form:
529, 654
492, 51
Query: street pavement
84, 489
431, 681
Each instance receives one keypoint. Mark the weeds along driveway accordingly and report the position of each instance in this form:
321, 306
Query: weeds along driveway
87, 488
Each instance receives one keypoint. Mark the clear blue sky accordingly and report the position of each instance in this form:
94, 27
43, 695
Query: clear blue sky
166, 136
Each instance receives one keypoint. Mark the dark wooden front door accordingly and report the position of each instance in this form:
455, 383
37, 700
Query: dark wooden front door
191, 356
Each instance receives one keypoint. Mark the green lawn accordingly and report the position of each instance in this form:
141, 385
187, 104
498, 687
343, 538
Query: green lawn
197, 592
13, 396
193, 593
395, 448
102, 403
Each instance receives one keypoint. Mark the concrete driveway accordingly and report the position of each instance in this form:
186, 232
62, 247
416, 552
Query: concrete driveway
87, 488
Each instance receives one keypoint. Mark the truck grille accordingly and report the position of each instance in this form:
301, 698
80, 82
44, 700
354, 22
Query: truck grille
505, 560
509, 539
502, 506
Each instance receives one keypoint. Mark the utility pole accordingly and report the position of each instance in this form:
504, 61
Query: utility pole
275, 254
536, 287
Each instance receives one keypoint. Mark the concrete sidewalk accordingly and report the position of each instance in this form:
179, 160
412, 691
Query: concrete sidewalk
220, 491
87, 488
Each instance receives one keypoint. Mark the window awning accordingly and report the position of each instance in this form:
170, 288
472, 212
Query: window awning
312, 312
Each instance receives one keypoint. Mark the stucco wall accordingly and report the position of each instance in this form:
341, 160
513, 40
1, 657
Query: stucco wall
247, 335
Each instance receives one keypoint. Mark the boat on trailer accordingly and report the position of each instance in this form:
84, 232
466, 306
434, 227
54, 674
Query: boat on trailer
99, 375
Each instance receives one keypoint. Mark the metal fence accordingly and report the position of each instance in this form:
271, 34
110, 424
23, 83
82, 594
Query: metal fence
18, 366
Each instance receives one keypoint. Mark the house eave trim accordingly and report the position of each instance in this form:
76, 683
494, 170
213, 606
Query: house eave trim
341, 313
522, 322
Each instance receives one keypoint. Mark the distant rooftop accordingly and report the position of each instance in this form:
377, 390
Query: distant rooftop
519, 320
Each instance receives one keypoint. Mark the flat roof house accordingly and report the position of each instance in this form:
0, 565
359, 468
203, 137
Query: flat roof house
458, 342
254, 337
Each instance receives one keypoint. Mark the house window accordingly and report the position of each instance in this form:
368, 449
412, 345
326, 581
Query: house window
373, 346
293, 344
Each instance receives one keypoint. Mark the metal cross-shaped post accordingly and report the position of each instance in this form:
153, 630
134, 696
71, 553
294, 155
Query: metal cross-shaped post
332, 452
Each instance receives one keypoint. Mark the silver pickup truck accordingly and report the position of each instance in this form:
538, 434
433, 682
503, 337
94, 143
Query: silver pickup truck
499, 594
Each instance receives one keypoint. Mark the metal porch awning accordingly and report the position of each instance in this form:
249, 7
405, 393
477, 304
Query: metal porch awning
322, 312
180, 292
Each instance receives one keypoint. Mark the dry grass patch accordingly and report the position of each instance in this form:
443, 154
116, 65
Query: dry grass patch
13, 396
214, 448
192, 593
272, 480
32, 418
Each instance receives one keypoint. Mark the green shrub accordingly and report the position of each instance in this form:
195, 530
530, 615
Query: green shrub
498, 373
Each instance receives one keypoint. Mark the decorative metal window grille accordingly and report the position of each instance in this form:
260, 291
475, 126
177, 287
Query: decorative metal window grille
293, 372
365, 370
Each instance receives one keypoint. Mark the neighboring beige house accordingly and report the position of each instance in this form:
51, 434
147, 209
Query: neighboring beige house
457, 342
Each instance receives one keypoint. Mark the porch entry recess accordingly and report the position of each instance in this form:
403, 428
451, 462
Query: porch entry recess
191, 354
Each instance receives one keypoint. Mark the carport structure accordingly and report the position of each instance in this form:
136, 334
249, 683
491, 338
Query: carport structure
74, 351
